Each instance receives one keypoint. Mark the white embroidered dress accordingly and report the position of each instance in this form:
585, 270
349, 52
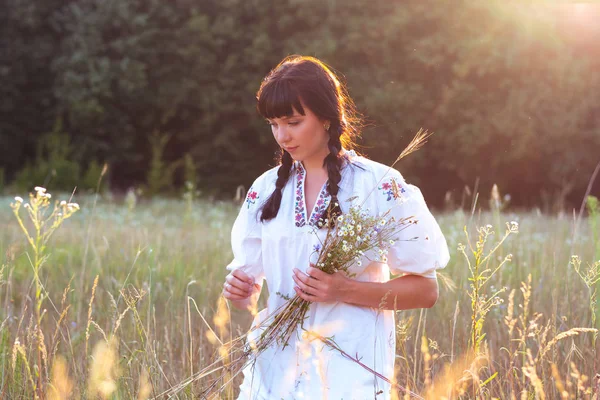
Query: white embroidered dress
309, 369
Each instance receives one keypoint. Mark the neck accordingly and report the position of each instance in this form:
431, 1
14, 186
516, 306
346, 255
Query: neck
316, 162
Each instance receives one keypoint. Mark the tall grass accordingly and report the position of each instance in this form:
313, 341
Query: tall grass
143, 318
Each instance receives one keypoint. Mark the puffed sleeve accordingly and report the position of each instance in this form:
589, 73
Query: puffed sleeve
246, 235
421, 247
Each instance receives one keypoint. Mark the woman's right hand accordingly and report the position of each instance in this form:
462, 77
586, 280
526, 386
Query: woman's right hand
239, 286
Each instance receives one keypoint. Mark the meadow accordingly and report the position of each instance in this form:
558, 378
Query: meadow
128, 293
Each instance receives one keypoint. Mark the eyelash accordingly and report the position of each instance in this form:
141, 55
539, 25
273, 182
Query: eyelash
290, 123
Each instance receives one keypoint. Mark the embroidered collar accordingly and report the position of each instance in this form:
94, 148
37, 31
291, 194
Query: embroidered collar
323, 198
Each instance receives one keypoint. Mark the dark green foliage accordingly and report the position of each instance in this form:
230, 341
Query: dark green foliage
509, 89
91, 179
53, 166
160, 174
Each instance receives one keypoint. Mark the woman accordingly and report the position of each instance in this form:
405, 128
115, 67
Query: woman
277, 231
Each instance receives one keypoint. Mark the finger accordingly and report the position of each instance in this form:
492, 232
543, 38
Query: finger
305, 296
234, 297
236, 282
306, 280
236, 291
317, 274
305, 288
241, 275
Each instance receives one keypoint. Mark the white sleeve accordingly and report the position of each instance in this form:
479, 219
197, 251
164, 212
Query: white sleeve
246, 240
421, 247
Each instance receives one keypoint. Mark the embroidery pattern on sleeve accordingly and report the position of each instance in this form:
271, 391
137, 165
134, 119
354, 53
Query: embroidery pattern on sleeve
251, 197
392, 189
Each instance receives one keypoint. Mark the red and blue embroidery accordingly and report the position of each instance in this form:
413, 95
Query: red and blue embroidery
392, 189
299, 213
299, 205
251, 197
320, 206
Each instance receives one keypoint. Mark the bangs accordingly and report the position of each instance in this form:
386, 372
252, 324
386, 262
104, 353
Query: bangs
278, 98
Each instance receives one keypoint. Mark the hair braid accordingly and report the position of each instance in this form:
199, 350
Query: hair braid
333, 162
271, 206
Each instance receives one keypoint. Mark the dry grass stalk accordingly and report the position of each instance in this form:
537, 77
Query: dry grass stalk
104, 369
559, 383
89, 317
61, 386
563, 335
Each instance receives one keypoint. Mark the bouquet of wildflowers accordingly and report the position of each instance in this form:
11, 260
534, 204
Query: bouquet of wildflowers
355, 237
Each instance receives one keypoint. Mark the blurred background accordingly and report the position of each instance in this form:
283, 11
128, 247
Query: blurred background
163, 92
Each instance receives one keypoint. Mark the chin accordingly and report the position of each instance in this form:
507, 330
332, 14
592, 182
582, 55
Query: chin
297, 157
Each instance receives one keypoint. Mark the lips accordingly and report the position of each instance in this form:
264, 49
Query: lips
291, 148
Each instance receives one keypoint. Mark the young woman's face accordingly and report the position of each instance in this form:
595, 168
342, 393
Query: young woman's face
303, 136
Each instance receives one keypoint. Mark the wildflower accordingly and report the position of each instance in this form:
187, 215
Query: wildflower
39, 189
359, 227
351, 233
340, 218
63, 203
26, 206
316, 248
19, 199
488, 226
384, 259
392, 242
382, 222
345, 248
514, 225
73, 205
328, 254
359, 263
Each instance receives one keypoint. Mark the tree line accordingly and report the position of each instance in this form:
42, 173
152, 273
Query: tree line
165, 91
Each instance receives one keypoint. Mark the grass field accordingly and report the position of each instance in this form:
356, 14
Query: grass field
159, 267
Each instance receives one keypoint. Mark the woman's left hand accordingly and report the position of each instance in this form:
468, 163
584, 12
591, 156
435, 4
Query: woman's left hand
319, 286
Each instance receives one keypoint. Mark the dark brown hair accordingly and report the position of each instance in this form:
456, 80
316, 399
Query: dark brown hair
299, 80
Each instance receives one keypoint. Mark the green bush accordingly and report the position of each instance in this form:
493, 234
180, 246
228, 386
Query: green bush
54, 166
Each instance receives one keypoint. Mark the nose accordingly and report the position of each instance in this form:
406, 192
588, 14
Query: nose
281, 134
